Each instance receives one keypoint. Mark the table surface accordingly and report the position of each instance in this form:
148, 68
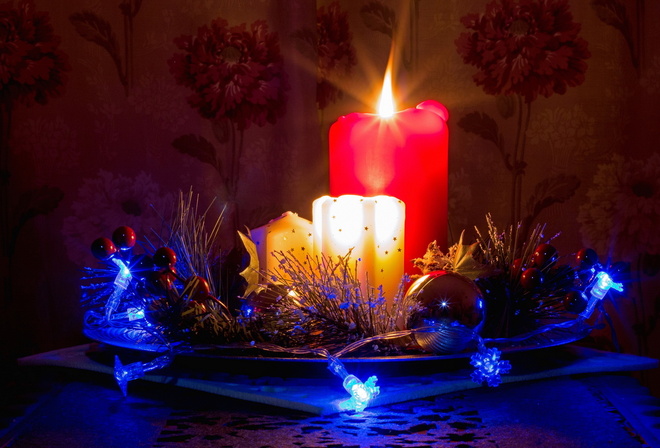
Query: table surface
64, 407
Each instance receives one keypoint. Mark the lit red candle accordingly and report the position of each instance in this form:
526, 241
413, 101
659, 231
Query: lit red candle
404, 155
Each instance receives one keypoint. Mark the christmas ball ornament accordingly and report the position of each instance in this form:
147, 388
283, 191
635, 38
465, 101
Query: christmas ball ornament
124, 237
586, 258
544, 255
450, 311
531, 278
575, 302
103, 248
164, 257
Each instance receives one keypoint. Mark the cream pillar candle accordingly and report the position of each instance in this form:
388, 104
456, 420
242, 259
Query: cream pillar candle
373, 227
287, 233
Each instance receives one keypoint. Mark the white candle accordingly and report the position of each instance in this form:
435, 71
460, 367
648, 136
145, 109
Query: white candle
288, 233
373, 227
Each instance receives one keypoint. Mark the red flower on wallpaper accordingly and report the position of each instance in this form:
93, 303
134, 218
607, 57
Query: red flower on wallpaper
31, 71
336, 53
234, 72
525, 47
31, 65
96, 29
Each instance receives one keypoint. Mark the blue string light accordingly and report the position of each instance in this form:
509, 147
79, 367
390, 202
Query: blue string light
361, 393
129, 372
599, 288
488, 366
122, 280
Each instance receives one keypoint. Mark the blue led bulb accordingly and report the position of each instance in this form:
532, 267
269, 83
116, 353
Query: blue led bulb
361, 393
122, 280
126, 373
600, 286
136, 370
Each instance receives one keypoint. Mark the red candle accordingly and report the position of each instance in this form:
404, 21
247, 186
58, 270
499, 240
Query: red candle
404, 155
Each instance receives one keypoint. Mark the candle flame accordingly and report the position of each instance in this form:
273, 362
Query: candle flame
386, 102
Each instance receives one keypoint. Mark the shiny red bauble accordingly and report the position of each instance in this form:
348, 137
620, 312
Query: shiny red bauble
164, 257
124, 237
158, 283
103, 248
586, 258
197, 288
531, 278
544, 255
574, 302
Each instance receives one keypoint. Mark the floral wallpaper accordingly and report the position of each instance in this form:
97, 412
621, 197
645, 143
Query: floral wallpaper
109, 109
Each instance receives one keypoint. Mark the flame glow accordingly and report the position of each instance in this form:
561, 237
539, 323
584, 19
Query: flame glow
386, 102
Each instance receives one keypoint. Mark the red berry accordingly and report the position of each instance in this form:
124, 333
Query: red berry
103, 248
158, 283
586, 276
586, 258
574, 302
619, 271
142, 265
164, 257
531, 278
517, 265
544, 255
124, 237
199, 287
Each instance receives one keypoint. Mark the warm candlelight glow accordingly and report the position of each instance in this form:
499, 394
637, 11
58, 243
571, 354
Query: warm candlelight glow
288, 233
404, 156
372, 228
386, 102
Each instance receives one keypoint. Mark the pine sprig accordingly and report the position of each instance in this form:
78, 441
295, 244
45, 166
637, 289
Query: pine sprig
513, 309
194, 244
501, 248
325, 304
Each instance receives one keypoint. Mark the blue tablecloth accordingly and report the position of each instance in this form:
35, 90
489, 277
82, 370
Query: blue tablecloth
80, 408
